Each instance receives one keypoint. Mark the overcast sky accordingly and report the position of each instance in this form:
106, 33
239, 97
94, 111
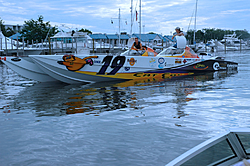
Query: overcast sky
159, 16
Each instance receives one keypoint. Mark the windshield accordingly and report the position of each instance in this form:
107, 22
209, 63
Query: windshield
172, 51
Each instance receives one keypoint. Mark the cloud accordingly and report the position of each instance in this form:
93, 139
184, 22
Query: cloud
228, 12
69, 26
7, 8
157, 15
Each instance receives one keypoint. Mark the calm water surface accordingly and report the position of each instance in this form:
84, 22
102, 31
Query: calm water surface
118, 123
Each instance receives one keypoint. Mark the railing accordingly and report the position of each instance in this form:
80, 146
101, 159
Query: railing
10, 46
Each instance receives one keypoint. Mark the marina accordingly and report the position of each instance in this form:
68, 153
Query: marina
138, 122
80, 42
106, 96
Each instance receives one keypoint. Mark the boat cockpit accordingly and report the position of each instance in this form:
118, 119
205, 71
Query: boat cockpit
171, 51
146, 51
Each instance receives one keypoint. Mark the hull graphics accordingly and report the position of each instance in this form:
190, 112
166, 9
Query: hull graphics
98, 68
208, 66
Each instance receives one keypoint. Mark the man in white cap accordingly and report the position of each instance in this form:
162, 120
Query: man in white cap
178, 32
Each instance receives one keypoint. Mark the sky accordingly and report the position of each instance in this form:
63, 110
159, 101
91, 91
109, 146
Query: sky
158, 16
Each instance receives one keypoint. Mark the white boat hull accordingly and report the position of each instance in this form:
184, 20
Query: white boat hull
130, 65
108, 68
25, 67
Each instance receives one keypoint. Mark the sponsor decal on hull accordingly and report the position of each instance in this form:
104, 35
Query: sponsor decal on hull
74, 63
3, 58
139, 75
152, 62
132, 61
161, 60
160, 75
216, 66
232, 65
178, 61
200, 67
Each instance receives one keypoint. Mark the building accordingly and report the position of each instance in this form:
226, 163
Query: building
15, 28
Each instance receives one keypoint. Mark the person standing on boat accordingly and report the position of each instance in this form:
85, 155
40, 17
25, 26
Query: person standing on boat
137, 45
178, 32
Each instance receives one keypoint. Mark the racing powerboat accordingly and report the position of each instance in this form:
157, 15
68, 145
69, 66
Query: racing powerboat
131, 64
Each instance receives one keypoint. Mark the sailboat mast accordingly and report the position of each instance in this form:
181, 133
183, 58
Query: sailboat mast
140, 21
119, 26
131, 17
195, 21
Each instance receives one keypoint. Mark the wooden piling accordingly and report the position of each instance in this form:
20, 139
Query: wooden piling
93, 45
225, 45
49, 46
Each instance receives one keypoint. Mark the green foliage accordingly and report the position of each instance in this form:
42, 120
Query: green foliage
9, 32
6, 32
151, 33
85, 30
37, 30
205, 35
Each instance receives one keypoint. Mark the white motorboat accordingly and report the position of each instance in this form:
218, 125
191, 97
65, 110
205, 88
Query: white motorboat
231, 40
217, 46
79, 42
226, 149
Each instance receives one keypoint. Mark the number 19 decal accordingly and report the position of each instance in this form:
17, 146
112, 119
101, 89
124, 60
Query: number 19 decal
116, 64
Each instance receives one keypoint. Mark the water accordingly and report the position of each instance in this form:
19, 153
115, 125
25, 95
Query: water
120, 123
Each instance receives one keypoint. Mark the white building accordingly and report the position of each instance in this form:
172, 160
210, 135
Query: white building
15, 28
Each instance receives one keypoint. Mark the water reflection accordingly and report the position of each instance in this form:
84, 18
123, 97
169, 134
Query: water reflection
58, 99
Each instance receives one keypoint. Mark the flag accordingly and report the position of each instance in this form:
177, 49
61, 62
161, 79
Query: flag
136, 14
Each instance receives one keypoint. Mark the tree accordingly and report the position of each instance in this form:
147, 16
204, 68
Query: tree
208, 34
242, 34
85, 30
9, 32
37, 30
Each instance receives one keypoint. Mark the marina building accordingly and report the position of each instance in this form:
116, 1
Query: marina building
15, 28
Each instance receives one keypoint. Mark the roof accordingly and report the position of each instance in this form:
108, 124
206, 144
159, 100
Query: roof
98, 36
142, 37
112, 36
145, 37
124, 37
168, 38
16, 35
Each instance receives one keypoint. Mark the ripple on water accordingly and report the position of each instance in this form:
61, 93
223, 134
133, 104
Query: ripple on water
143, 123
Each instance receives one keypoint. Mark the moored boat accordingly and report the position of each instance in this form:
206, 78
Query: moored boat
25, 67
132, 64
